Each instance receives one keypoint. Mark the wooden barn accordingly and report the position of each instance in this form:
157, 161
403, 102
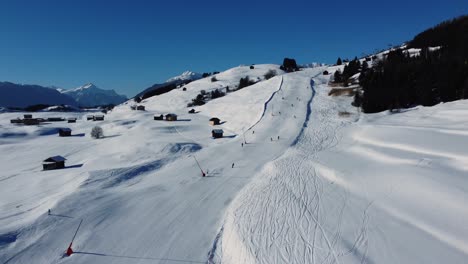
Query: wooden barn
215, 121
89, 117
65, 132
140, 108
53, 163
16, 121
71, 120
98, 118
31, 121
171, 117
217, 133
55, 119
158, 117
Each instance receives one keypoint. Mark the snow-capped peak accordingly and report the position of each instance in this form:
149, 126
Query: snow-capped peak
187, 75
91, 95
86, 86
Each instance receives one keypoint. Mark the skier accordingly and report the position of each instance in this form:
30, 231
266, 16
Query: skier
271, 139
232, 165
253, 131
278, 137
242, 144
48, 212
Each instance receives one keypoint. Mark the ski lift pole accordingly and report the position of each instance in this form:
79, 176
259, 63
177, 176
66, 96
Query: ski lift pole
69, 249
203, 173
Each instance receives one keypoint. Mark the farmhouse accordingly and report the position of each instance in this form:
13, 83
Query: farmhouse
217, 133
53, 163
171, 117
55, 119
65, 132
98, 118
31, 121
215, 121
158, 117
16, 121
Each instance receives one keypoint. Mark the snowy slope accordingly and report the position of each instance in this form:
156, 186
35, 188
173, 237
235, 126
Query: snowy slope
309, 187
89, 95
385, 189
178, 99
19, 95
186, 76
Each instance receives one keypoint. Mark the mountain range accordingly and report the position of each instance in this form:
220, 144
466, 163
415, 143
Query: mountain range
14, 95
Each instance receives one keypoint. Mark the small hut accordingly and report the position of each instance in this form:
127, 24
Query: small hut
71, 120
192, 111
89, 117
55, 119
140, 108
171, 117
31, 121
158, 117
65, 132
53, 163
27, 116
217, 133
98, 118
16, 121
215, 121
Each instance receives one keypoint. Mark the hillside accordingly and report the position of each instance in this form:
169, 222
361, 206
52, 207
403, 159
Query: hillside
311, 185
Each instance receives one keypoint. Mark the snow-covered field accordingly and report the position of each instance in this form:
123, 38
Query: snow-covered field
309, 187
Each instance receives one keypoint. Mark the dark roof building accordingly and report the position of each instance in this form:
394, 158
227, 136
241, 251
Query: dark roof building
98, 117
217, 133
65, 132
53, 163
171, 117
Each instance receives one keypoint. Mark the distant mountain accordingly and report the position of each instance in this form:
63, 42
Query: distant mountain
90, 95
170, 84
23, 95
187, 75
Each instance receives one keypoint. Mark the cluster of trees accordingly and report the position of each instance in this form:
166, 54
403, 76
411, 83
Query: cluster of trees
435, 76
349, 70
270, 74
244, 82
289, 65
203, 95
206, 74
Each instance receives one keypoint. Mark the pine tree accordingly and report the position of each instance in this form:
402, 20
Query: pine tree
338, 61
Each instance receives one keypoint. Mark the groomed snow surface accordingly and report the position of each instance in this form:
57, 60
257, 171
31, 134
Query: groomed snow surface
381, 188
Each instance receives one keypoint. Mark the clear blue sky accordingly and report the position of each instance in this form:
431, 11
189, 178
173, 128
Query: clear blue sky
130, 45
